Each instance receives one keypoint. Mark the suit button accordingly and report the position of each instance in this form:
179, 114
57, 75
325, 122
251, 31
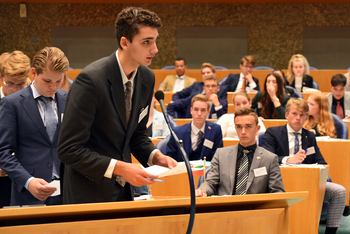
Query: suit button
49, 166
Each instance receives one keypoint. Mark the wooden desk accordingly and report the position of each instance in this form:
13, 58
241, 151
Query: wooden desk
337, 156
274, 122
348, 123
269, 213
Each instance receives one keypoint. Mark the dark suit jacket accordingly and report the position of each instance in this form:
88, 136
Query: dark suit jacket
212, 133
23, 133
276, 141
222, 175
185, 105
197, 88
307, 82
232, 81
94, 130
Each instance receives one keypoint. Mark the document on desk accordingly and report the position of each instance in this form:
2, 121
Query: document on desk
302, 165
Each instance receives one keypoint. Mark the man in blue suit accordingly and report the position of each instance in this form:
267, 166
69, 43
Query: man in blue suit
197, 87
200, 138
30, 120
218, 106
294, 145
243, 81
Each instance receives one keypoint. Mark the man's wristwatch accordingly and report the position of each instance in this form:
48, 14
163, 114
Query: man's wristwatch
275, 100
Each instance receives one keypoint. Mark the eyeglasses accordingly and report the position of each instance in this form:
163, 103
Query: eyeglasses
13, 86
248, 67
211, 86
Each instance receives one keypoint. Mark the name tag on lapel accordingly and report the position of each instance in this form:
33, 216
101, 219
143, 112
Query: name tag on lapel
143, 113
208, 143
260, 171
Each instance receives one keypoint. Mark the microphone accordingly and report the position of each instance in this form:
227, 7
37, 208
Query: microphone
159, 95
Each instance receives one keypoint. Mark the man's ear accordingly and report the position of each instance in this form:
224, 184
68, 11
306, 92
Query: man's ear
33, 73
124, 43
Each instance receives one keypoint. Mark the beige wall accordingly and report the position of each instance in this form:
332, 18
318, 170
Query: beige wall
275, 31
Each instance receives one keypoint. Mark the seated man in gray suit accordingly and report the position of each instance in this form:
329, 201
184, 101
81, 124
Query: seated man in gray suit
339, 99
244, 168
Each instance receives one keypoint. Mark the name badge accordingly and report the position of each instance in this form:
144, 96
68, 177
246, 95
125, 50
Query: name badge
214, 116
310, 150
347, 112
260, 171
208, 143
158, 126
259, 105
143, 113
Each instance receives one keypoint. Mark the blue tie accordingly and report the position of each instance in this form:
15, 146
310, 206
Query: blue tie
50, 117
296, 143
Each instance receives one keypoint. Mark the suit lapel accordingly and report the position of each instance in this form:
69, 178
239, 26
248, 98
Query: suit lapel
255, 164
232, 155
60, 98
285, 143
117, 88
30, 106
187, 138
304, 139
207, 135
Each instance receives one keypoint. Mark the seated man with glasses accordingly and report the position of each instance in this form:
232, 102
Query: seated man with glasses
14, 70
243, 81
211, 87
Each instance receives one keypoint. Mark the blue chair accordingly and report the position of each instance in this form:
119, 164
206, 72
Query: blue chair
161, 145
315, 85
313, 68
341, 127
261, 137
263, 68
297, 94
172, 122
222, 80
220, 68
348, 68
201, 178
168, 67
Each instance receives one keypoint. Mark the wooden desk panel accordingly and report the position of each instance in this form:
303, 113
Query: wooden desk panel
348, 123
274, 122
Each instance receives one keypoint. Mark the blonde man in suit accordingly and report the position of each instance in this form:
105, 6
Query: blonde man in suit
176, 83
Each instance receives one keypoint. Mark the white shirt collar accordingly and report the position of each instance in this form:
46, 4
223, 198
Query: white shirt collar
180, 77
196, 130
36, 93
290, 130
241, 76
1, 93
124, 77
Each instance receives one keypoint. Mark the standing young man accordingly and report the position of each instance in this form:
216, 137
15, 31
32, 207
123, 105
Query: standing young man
30, 120
106, 116
200, 137
294, 145
244, 168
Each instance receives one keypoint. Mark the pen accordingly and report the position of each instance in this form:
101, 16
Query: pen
156, 180
305, 151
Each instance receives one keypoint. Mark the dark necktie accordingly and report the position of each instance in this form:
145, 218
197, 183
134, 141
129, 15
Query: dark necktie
128, 101
242, 175
200, 139
339, 110
50, 117
296, 142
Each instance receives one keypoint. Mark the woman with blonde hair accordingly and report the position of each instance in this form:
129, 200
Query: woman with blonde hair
298, 73
320, 120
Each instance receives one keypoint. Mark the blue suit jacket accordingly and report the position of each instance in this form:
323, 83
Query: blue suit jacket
184, 105
276, 141
232, 82
212, 133
25, 147
197, 88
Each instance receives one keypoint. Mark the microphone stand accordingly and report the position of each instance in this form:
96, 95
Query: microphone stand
188, 166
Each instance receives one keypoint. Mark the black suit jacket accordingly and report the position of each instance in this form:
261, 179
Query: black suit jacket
307, 82
94, 130
197, 88
276, 141
232, 81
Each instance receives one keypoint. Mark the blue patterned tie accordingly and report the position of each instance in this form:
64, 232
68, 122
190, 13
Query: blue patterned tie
296, 143
242, 174
50, 117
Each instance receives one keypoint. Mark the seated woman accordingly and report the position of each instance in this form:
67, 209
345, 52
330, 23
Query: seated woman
288, 90
319, 120
298, 73
240, 99
271, 102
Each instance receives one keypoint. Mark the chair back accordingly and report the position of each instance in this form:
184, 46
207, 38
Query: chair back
297, 94
220, 68
261, 137
172, 122
315, 85
313, 68
263, 68
222, 80
161, 145
341, 127
168, 67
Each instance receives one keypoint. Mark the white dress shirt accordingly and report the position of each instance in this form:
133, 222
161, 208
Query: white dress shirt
248, 88
179, 83
298, 83
194, 134
291, 138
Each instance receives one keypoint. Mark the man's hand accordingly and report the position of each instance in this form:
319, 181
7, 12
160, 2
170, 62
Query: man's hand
200, 193
133, 174
2, 173
249, 77
297, 158
313, 131
214, 99
38, 189
163, 160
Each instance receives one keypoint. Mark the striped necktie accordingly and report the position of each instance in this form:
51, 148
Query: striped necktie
242, 175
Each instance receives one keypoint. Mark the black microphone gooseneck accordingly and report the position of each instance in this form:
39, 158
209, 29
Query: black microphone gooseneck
160, 97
